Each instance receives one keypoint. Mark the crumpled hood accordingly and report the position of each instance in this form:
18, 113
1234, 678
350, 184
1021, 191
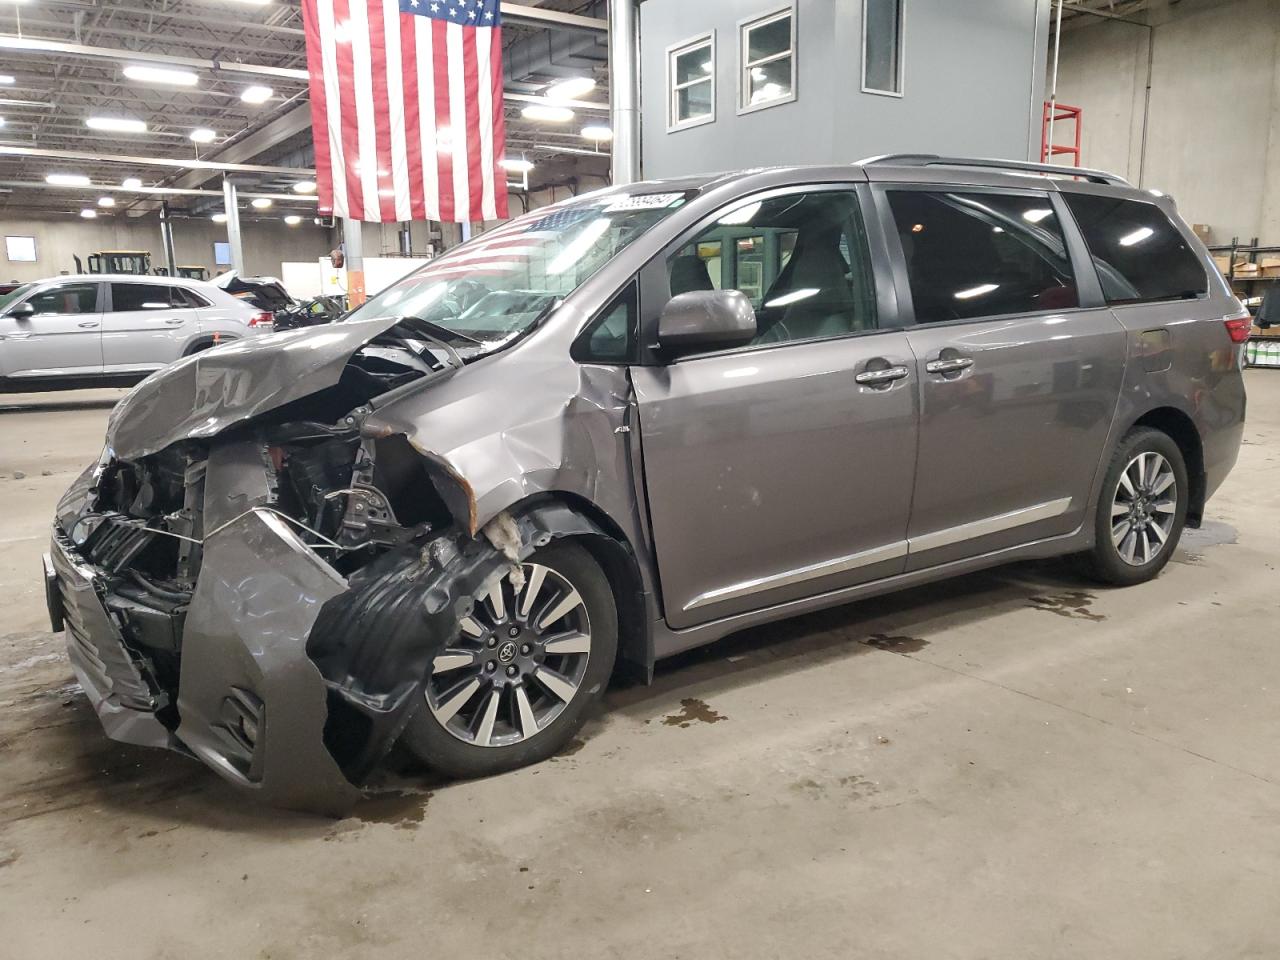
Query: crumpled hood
202, 395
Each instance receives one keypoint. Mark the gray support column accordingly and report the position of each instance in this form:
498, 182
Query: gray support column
624, 89
353, 247
166, 239
231, 207
406, 240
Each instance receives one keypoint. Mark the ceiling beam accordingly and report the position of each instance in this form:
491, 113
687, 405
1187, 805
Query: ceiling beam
100, 189
209, 165
517, 13
36, 45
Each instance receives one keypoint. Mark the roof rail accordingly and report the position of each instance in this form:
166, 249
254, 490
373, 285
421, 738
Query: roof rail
933, 160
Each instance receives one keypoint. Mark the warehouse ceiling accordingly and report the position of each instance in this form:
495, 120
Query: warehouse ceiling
244, 44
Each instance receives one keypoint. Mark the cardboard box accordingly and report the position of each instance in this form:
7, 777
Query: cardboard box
1223, 262
1202, 230
1245, 271
1269, 266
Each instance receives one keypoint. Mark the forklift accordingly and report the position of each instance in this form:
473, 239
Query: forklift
136, 262
189, 272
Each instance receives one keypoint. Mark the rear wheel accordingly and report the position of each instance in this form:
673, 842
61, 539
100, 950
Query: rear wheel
516, 682
1142, 509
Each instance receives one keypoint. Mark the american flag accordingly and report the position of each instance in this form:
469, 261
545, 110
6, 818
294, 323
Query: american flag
406, 108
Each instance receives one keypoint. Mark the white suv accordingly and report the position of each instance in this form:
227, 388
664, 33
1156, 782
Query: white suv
109, 330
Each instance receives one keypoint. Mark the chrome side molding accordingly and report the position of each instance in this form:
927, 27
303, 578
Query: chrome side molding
890, 551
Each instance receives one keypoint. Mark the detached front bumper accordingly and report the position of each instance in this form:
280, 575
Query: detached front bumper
249, 701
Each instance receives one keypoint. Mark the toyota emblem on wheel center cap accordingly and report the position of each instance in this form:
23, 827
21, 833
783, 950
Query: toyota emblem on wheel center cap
507, 652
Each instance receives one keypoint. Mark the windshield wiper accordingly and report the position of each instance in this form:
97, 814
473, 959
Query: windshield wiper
440, 332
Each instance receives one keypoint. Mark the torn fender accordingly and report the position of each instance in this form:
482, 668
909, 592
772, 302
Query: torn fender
498, 433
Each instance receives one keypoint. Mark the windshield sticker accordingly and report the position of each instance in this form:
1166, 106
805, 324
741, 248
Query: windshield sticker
644, 201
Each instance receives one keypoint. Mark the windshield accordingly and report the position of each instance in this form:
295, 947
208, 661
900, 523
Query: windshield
14, 295
494, 288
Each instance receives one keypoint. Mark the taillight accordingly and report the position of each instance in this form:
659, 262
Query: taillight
1238, 327
264, 319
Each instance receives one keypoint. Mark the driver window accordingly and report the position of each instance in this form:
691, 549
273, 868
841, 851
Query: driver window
801, 259
69, 298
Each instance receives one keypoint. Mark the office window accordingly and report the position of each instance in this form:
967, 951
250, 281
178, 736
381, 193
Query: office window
1140, 255
20, 249
972, 255
882, 47
766, 54
691, 75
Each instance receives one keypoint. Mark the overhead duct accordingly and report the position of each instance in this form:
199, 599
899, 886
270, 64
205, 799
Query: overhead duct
555, 53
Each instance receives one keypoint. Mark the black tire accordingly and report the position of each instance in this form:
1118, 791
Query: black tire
435, 745
1107, 562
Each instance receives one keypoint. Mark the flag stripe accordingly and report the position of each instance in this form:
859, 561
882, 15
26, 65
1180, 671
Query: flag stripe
350, 155
319, 110
412, 118
366, 109
499, 132
471, 98
458, 121
444, 155
427, 105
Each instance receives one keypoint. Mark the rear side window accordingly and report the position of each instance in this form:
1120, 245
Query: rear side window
139, 296
972, 255
1139, 254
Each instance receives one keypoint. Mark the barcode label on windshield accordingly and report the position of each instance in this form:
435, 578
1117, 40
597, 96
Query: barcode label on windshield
644, 201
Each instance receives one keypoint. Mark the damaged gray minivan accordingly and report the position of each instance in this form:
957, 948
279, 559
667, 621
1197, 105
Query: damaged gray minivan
626, 425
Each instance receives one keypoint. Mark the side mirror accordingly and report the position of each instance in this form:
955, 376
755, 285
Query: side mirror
23, 311
705, 320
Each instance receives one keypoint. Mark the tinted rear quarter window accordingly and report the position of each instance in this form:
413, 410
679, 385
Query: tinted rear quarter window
1139, 254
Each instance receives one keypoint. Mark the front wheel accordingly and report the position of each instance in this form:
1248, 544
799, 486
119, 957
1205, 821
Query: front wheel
516, 682
1141, 511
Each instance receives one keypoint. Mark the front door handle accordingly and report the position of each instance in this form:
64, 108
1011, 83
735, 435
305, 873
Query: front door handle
875, 378
87, 324
175, 321
949, 365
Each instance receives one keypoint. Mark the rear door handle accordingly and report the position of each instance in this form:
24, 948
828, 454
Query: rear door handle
950, 365
875, 378
87, 325
175, 321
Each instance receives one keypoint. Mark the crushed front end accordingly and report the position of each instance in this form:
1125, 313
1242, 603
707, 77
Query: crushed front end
216, 593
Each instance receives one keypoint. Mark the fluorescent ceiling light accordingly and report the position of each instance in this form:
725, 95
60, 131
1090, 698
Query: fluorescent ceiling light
116, 124
106, 201
597, 132
548, 112
743, 214
570, 89
203, 135
179, 78
293, 220
1036, 214
89, 213
261, 203
1142, 233
133, 183
256, 94
6, 79
219, 218
978, 291
304, 186
67, 180
795, 295
516, 165
1, 121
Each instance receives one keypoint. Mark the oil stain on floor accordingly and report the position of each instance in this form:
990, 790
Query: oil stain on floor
895, 644
1074, 604
692, 710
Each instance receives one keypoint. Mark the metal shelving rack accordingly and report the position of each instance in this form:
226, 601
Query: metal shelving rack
1265, 350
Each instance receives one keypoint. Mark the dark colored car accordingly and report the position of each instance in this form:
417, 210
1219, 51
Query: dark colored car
627, 425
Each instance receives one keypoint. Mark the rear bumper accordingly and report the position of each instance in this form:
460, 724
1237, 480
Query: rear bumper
249, 702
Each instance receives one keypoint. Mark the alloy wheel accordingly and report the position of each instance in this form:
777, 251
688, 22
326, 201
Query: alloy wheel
517, 662
1144, 508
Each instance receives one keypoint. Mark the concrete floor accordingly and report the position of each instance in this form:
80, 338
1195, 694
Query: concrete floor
1011, 765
